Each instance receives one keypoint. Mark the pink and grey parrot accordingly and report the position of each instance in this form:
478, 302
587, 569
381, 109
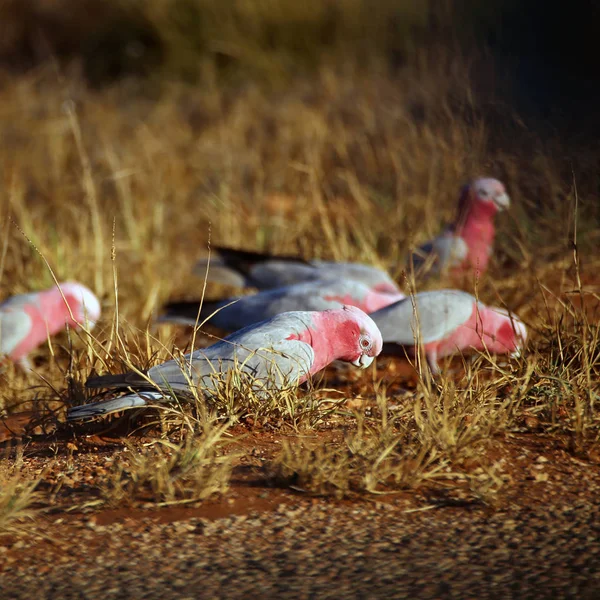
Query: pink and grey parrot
27, 320
241, 268
447, 322
466, 245
234, 313
281, 351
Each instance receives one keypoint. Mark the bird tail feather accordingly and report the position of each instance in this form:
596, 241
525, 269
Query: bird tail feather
107, 407
219, 272
121, 380
187, 312
233, 267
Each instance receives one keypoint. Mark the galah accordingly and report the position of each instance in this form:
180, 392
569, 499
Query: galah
465, 245
27, 320
241, 268
446, 322
234, 313
282, 351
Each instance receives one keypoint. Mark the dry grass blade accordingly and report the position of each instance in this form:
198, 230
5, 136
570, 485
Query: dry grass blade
322, 470
165, 473
380, 457
564, 388
352, 162
241, 397
17, 495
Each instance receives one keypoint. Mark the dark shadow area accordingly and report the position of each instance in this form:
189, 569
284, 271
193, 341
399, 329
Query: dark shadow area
550, 52
543, 54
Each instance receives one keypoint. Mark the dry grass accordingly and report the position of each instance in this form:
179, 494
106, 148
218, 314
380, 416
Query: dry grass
165, 473
194, 40
563, 391
17, 495
123, 193
439, 435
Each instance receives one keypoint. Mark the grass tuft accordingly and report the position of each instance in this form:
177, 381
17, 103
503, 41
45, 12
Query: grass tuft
124, 191
164, 473
17, 496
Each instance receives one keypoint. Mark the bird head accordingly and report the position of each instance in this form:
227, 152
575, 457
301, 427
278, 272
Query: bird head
491, 191
483, 195
366, 340
510, 332
83, 303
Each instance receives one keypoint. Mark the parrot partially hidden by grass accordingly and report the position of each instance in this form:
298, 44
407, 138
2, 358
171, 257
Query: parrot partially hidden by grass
27, 320
282, 351
234, 313
464, 246
242, 268
447, 322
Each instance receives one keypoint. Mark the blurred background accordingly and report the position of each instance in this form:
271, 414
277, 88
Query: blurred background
341, 129
541, 57
134, 134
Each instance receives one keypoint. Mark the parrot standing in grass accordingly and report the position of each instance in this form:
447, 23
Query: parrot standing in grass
282, 351
447, 322
27, 320
241, 268
465, 245
234, 313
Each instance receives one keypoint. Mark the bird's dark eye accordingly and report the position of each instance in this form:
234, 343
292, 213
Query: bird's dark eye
482, 192
365, 342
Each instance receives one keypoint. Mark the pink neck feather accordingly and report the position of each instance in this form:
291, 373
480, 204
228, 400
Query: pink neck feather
55, 311
476, 228
480, 331
333, 336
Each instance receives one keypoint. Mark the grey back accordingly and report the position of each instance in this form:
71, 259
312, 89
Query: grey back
439, 313
235, 313
444, 252
14, 327
262, 350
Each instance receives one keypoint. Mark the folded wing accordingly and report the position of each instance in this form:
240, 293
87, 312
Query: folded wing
439, 314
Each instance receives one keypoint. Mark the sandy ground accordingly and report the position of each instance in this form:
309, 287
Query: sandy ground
541, 539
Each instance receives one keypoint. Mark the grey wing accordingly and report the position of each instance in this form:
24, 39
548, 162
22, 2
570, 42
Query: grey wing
264, 276
278, 273
309, 296
264, 271
439, 313
218, 271
256, 349
20, 300
280, 362
366, 274
279, 333
444, 252
178, 375
107, 407
451, 251
281, 273
15, 325
244, 268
